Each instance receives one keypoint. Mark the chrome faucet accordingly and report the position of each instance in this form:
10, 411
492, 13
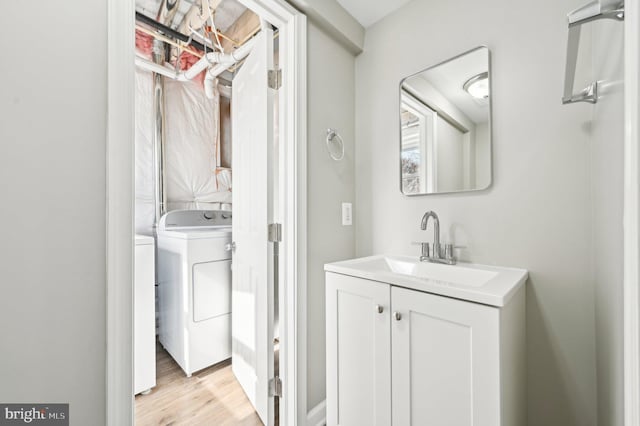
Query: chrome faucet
436, 255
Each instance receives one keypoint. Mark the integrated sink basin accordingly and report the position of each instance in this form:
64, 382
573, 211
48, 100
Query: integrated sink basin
453, 274
490, 285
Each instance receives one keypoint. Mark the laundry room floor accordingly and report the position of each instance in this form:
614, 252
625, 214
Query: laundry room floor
209, 397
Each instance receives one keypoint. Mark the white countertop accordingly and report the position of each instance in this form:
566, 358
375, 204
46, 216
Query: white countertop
489, 285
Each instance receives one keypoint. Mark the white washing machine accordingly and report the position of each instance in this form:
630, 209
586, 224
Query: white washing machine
194, 287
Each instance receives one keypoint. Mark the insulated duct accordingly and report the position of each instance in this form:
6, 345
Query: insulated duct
168, 31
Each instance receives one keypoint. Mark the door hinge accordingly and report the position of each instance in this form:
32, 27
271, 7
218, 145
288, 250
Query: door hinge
275, 387
275, 79
275, 232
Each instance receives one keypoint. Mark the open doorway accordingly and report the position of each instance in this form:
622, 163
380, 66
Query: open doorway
251, 371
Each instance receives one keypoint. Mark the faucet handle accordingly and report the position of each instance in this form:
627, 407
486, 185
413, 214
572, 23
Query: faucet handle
425, 248
448, 251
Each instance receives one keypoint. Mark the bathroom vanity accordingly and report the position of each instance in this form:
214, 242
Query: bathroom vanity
418, 343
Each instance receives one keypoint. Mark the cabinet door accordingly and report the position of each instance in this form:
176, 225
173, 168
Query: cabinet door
445, 361
358, 352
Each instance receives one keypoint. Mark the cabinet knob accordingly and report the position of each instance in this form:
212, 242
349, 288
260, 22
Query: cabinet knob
379, 309
397, 316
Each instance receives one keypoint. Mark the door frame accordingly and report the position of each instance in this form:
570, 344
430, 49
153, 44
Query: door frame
632, 215
292, 27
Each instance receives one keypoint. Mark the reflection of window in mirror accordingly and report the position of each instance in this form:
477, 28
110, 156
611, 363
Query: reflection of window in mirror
418, 133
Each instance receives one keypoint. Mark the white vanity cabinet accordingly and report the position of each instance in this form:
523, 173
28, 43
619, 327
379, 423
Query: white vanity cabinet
398, 356
358, 351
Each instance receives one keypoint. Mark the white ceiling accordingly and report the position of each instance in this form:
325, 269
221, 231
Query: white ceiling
368, 12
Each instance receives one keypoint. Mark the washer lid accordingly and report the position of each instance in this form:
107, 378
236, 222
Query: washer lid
194, 219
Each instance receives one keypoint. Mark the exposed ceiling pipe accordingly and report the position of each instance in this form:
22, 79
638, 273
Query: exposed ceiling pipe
210, 80
219, 58
156, 68
166, 13
212, 73
205, 41
197, 16
216, 61
191, 20
159, 146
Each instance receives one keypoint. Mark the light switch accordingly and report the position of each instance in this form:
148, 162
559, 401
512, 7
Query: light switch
347, 214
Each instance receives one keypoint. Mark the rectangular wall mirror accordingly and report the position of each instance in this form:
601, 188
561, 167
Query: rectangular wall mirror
445, 126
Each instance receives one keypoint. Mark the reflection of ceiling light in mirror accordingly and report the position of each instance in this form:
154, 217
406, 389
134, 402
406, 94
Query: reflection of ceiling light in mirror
478, 86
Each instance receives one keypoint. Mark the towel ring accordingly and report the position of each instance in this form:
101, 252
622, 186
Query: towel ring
335, 144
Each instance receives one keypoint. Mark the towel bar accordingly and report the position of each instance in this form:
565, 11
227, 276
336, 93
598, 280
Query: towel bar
596, 10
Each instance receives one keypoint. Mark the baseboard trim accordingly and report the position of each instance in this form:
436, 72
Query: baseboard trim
317, 416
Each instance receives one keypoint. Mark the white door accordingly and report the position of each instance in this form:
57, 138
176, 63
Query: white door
358, 351
445, 361
252, 275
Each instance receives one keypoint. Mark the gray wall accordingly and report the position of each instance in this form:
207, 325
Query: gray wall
330, 16
331, 92
537, 215
607, 183
52, 174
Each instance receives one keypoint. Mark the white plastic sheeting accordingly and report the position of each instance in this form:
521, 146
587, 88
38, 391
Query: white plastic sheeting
191, 129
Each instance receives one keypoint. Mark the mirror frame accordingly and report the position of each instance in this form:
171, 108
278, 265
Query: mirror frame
489, 123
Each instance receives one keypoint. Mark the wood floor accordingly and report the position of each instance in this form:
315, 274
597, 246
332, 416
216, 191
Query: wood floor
210, 397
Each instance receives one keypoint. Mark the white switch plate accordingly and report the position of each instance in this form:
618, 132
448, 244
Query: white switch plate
347, 214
